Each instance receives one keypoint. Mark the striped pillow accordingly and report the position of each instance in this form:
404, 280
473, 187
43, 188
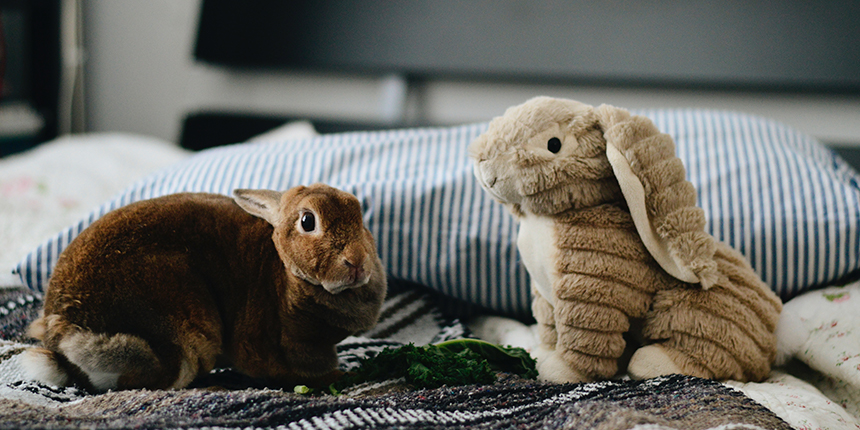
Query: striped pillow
779, 197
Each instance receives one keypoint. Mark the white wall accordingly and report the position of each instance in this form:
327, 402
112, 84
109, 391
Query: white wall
140, 77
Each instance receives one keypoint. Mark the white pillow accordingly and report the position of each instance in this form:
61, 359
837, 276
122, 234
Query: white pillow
53, 185
782, 199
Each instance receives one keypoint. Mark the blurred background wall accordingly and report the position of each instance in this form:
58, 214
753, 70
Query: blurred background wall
140, 75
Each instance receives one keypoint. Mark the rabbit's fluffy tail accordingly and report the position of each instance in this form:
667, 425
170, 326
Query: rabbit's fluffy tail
45, 366
93, 360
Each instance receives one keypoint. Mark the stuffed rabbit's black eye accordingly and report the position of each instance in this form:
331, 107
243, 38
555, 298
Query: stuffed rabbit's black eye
554, 145
308, 222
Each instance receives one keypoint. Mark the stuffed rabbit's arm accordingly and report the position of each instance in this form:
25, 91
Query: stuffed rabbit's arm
661, 200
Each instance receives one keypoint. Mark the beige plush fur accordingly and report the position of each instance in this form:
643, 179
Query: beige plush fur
155, 293
616, 249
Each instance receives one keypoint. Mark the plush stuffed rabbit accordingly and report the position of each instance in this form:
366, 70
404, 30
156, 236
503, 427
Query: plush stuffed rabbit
152, 294
614, 243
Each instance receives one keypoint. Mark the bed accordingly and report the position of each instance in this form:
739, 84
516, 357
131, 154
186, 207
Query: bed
789, 204
49, 194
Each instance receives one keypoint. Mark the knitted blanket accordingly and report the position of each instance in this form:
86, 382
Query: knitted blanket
225, 399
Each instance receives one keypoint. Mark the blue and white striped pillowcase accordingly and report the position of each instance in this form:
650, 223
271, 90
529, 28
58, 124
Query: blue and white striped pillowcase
779, 197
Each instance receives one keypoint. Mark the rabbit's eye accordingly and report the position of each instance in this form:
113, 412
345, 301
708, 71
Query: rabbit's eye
554, 145
308, 222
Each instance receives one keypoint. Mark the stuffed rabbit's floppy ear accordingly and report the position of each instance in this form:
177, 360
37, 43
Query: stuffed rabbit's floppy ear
660, 199
265, 204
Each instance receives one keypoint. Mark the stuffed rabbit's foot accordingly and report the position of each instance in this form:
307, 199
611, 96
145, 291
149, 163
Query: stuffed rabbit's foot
657, 360
552, 367
504, 331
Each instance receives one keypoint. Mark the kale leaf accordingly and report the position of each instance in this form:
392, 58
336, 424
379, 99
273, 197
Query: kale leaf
455, 362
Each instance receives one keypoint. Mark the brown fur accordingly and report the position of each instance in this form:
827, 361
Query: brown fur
154, 293
605, 281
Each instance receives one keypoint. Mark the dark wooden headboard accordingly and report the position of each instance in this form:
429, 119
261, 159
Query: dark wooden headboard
782, 45
756, 45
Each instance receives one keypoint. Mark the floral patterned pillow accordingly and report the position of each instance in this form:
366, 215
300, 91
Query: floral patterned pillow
822, 329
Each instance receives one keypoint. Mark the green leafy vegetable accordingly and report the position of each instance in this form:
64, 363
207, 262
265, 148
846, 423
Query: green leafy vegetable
456, 362
500, 358
302, 389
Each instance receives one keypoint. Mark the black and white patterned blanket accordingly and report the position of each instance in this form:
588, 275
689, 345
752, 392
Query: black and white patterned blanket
228, 400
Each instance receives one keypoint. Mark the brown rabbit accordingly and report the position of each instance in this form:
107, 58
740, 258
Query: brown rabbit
153, 294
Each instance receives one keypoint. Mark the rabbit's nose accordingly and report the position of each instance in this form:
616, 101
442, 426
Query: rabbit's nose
356, 269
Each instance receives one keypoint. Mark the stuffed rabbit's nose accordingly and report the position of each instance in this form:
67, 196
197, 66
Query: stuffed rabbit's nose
484, 175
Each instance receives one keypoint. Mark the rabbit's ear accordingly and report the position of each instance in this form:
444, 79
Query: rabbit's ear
660, 199
265, 204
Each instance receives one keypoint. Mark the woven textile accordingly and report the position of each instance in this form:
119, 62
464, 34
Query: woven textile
228, 400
